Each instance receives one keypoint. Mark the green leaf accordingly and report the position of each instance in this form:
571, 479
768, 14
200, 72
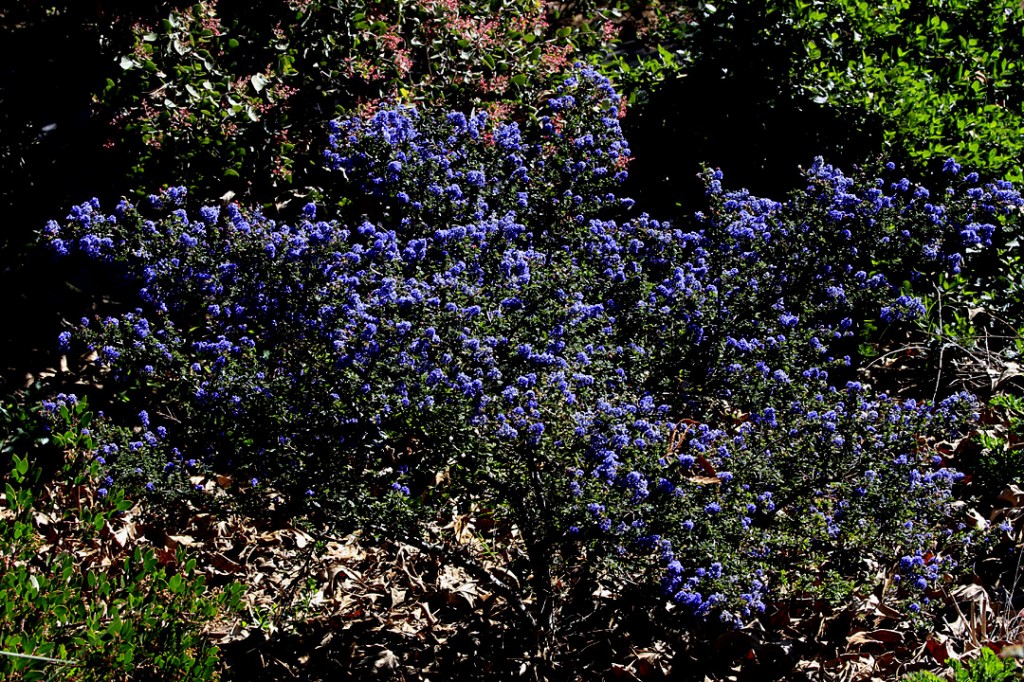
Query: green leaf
12, 497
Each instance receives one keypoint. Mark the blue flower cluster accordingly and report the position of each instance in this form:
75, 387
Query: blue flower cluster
487, 321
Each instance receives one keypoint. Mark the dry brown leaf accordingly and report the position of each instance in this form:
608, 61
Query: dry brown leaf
122, 534
875, 637
302, 540
174, 541
225, 564
650, 662
463, 595
707, 466
344, 552
1014, 495
621, 672
1012, 651
461, 526
413, 579
938, 650
972, 622
979, 521
506, 576
882, 609
972, 592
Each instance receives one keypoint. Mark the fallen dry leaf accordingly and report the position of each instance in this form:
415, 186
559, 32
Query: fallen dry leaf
876, 636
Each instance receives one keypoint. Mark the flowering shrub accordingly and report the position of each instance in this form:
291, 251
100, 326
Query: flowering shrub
486, 328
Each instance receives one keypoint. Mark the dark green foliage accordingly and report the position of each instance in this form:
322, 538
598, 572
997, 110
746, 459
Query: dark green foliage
945, 78
221, 97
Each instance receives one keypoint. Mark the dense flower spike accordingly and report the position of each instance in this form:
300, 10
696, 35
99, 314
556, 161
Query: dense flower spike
486, 323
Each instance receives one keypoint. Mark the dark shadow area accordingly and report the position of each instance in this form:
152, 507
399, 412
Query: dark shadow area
738, 110
52, 154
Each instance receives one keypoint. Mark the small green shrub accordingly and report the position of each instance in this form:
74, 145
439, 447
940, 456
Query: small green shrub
68, 611
986, 668
21, 429
999, 461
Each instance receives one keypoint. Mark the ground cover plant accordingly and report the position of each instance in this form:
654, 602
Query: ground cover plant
78, 608
486, 326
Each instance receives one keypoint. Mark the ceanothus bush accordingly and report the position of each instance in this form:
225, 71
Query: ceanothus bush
486, 327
